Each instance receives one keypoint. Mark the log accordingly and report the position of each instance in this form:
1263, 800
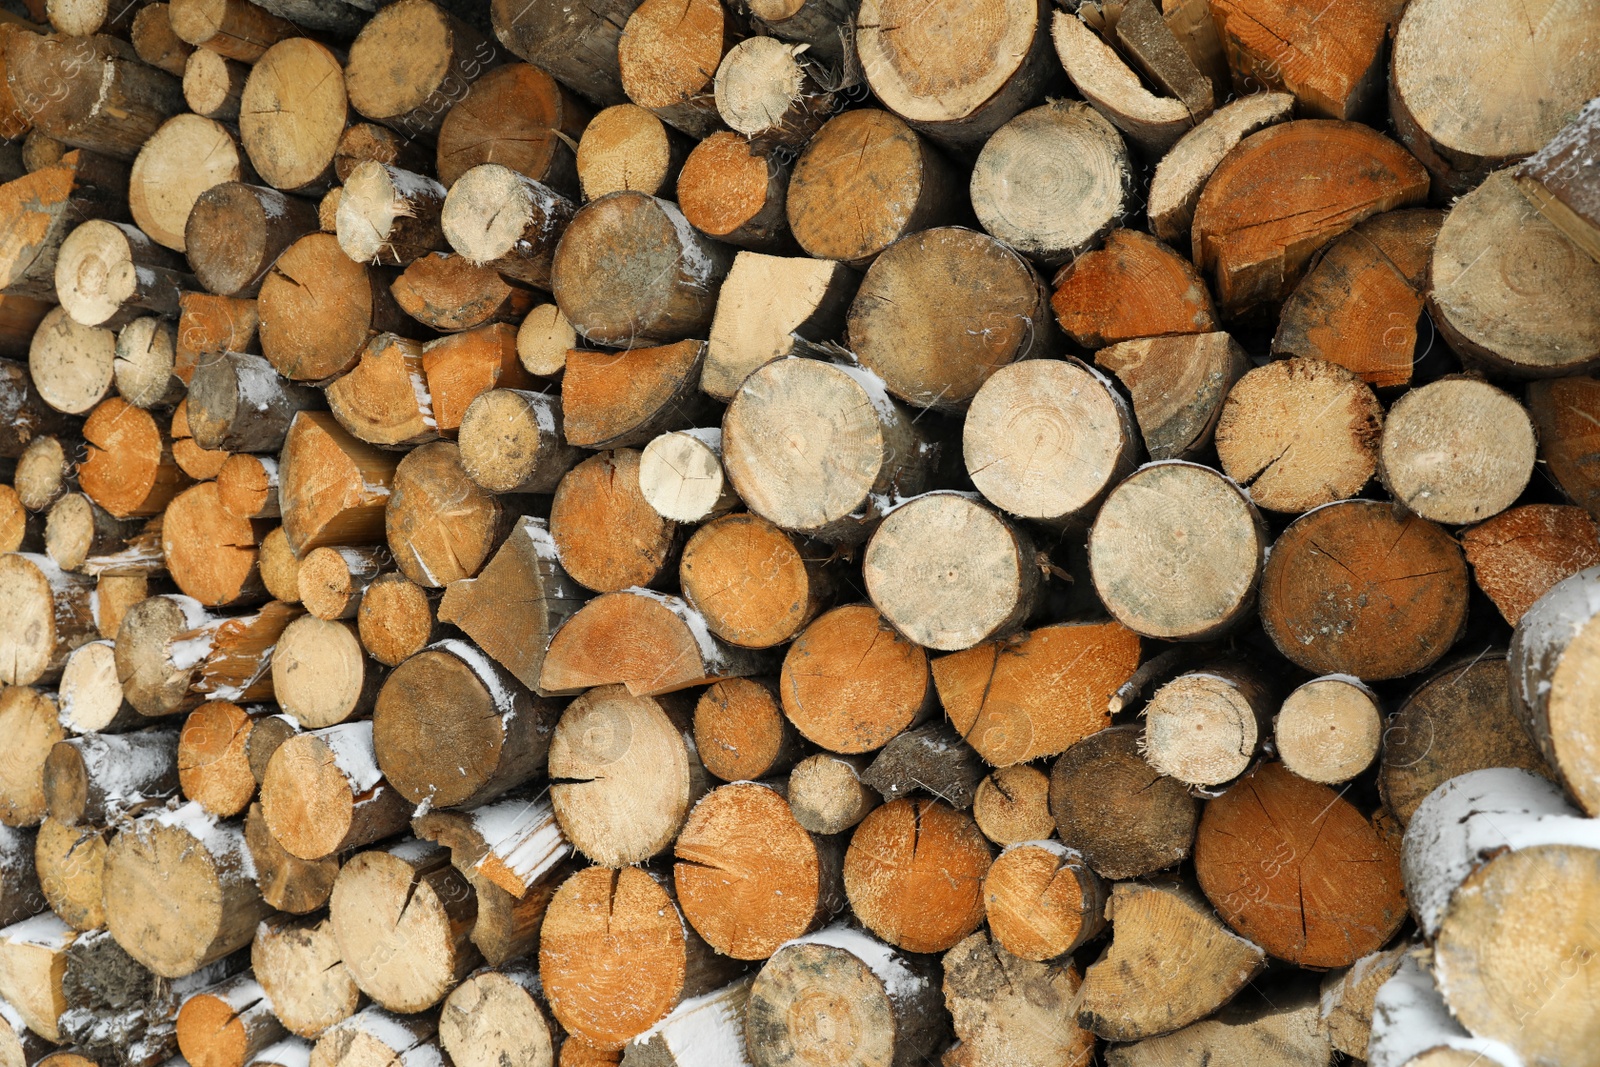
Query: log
146, 362
1203, 728
1042, 901
363, 141
827, 795
128, 467
233, 28
236, 232
927, 758
1553, 180
681, 475
1550, 652
765, 303
1152, 43
71, 864
445, 292
1186, 167
734, 191
515, 605
650, 642
1390, 592
45, 470
395, 620
630, 271
1348, 996
626, 147
1518, 555
840, 994
332, 489
1012, 805
914, 874
1278, 1025
866, 180
114, 595
19, 318
511, 441
388, 216
624, 773
298, 964
32, 962
47, 203
210, 324
210, 554
749, 878
154, 40
292, 114
186, 156
1457, 450
213, 758
497, 1017
384, 399
280, 571
1328, 730
578, 48
757, 586
520, 117
77, 528
247, 488
333, 580
109, 272
1047, 439
1007, 1010
1112, 806
821, 24
1053, 182
1561, 409
429, 482
20, 894
91, 694
375, 1035
609, 930
543, 341
411, 62
1411, 1024
238, 403
213, 86
740, 732
1114, 87
1134, 287
606, 535
228, 1024
27, 419
20, 530
832, 667
153, 679
45, 613
668, 57
90, 92
711, 1024
319, 674
1333, 73
287, 882
500, 218
622, 400
179, 894
323, 793
1261, 217
768, 93
71, 365
97, 778
861, 450
198, 463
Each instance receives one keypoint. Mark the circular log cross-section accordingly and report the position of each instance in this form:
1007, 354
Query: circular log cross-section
292, 114
210, 553
319, 673
107, 273
501, 218
1112, 806
127, 467
32, 727
1176, 552
948, 572
287, 882
519, 117
395, 620
740, 732
681, 475
766, 92
319, 308
850, 683
494, 1018
185, 157
626, 147
668, 56
1041, 901
323, 793
1353, 589
753, 583
213, 764
1328, 730
731, 190
45, 613
607, 536
411, 62
1012, 805
440, 525
389, 216
914, 874
827, 795
71, 365
1203, 728
298, 964
511, 442
1458, 450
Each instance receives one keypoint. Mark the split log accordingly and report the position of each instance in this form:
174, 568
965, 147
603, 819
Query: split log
1047, 439
71, 365
45, 613
1328, 730
319, 674
831, 215
323, 793
757, 586
1263, 215
1333, 63
736, 192
410, 63
233, 28
1041, 901
766, 302
109, 272
766, 92
578, 49
186, 156
520, 117
850, 682
213, 86
1187, 166
388, 216
287, 882
914, 874
333, 580
247, 488
363, 141
1348, 1012
827, 795
1176, 552
626, 147
668, 56
179, 894
91, 694
624, 773
1012, 805
97, 778
631, 271
740, 731
1390, 593
607, 536
213, 761
681, 475
384, 399
1152, 122
332, 489
47, 203
127, 467
1518, 555
610, 930
154, 40
377, 1036
71, 866
446, 292
402, 919
319, 309
1053, 182
32, 962
90, 92
292, 114
198, 463
1110, 805
1457, 450
1412, 1026
236, 232
616, 400
430, 482
395, 620
498, 1017
298, 964
1279, 1024
280, 571
46, 469
1553, 179
1550, 657
1134, 287
77, 528
145, 367
1008, 1010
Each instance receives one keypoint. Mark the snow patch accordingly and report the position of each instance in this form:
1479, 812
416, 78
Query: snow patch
351, 745
898, 980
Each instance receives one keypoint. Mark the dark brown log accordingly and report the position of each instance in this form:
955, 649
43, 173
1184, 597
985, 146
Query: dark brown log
153, 38
411, 62
90, 92
236, 232
1109, 804
928, 758
238, 403
578, 47
446, 292
519, 117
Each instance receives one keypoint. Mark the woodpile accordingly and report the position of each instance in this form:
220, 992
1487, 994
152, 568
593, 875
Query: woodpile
783, 533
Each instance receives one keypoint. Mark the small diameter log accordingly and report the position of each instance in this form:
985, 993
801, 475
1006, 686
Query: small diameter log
247, 488
115, 594
1280, 1024
749, 877
77, 528
1176, 552
608, 537
233, 28
333, 580
446, 292
626, 147
128, 467
228, 1024
914, 874
731, 190
210, 554
1042, 901
410, 63
499, 1017
238, 403
740, 731
930, 759
1134, 287
90, 92
1552, 656
91, 694
319, 674
388, 216
543, 341
843, 654
47, 203
45, 613
279, 569
1262, 216
428, 483
108, 273
27, 419
1347, 1012
384, 400
520, 117
198, 463
624, 773
319, 309
766, 303
1008, 1010
1328, 730
377, 1036
499, 218
1185, 168
323, 793
363, 141
1555, 180
287, 882
1203, 728
20, 893
71, 365
402, 919
1518, 555
515, 605
681, 476
617, 400
292, 114
213, 85
96, 778
1296, 868
1053, 182
146, 363
1351, 588
298, 964
20, 529
155, 41
767, 92
668, 58
1457, 450
328, 210
1112, 806
631, 271
32, 962
236, 232
213, 758
756, 585
185, 157
179, 891
46, 469
71, 865
395, 620
332, 489
1012, 805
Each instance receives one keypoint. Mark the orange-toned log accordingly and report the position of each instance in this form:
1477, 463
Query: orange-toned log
741, 733
607, 534
210, 554
333, 581
319, 309
396, 619
213, 763
622, 399
520, 117
201, 464
323, 793
735, 192
850, 682
128, 467
332, 489
384, 400
1133, 287
914, 874
1519, 554
247, 488
445, 291
463, 366
757, 585
1042, 901
226, 1025
1566, 414
440, 525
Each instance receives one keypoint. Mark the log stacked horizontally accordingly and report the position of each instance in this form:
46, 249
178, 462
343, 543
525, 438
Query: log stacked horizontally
783, 533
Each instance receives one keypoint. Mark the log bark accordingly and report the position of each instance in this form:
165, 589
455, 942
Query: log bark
1007, 1010
90, 92
520, 117
1518, 555
70, 861
1391, 592
914, 874
1554, 180
410, 64
668, 56
843, 655
736, 192
626, 147
155, 41
1329, 730
446, 292
213, 86
1012, 806
20, 894
236, 232
1551, 655
323, 793
711, 1024
499, 1017
622, 400
1112, 806
292, 114
319, 674
47, 203
768, 93
45, 613
238, 403
384, 399
298, 964
1348, 1012
363, 141
765, 303
1134, 287
579, 48
929, 759
287, 882
71, 365
332, 489
98, 778
109, 272
1457, 450
1187, 166
233, 28
186, 156
375, 1035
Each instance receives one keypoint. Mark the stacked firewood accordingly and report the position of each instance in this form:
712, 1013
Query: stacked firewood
799, 532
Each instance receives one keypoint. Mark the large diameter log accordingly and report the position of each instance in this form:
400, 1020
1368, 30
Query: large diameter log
1008, 1010
498, 1017
298, 964
579, 48
45, 613
829, 670
70, 861
519, 117
1552, 652
90, 92
1184, 169
235, 233
185, 157
210, 554
607, 535
319, 309
410, 63
914, 874
1457, 450
1350, 588
323, 793
332, 489
1133, 287
292, 114
766, 302
430, 483
97, 778
179, 891
46, 204
1111, 805
72, 366
127, 466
